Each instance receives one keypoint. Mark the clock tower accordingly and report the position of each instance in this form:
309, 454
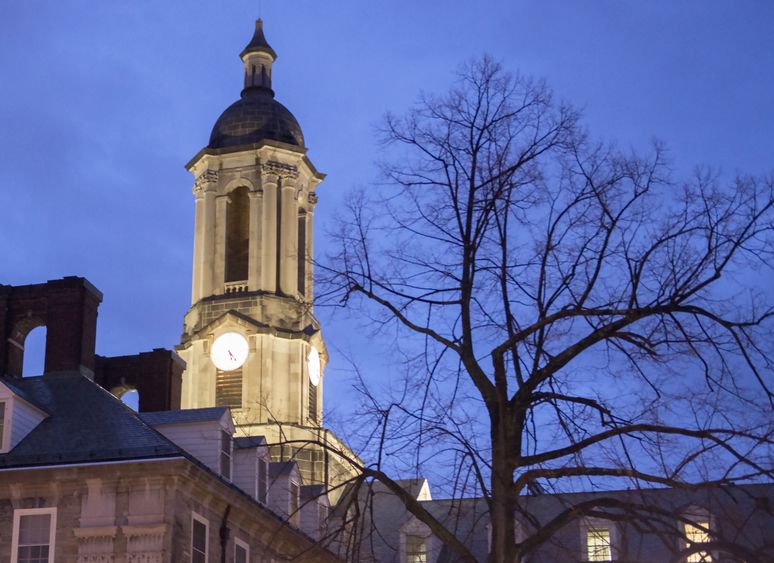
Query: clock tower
251, 341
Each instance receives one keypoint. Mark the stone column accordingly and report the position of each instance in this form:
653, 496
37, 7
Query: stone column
312, 201
219, 261
289, 246
204, 234
269, 233
196, 284
254, 281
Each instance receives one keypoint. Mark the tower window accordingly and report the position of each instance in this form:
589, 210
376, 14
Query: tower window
228, 388
302, 253
237, 235
313, 402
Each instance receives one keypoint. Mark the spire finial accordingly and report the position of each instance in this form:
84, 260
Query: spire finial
258, 57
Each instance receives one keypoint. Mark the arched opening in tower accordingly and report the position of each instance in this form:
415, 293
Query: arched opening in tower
34, 352
237, 235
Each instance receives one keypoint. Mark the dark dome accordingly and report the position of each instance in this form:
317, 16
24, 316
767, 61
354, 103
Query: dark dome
257, 116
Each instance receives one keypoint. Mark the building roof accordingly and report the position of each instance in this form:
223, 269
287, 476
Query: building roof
256, 117
85, 424
183, 416
244, 442
280, 468
258, 43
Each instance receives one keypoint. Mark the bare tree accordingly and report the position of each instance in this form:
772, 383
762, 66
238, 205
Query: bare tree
569, 316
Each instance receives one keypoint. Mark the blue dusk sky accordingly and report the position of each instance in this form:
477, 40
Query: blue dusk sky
102, 103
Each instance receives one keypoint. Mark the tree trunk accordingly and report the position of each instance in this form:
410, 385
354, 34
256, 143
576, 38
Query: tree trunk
503, 542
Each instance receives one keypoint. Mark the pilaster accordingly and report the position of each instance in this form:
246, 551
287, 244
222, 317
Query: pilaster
256, 238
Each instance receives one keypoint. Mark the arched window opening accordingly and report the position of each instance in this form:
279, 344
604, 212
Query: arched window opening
237, 235
129, 396
34, 353
302, 253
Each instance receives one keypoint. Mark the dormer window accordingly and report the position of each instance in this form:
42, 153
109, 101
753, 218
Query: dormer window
3, 440
263, 480
598, 546
295, 492
226, 444
416, 549
698, 533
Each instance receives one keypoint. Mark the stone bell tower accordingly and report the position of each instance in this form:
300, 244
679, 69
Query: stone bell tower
251, 341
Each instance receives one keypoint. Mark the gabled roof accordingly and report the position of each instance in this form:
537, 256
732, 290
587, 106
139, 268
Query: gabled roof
85, 424
311, 492
281, 468
19, 391
183, 416
245, 442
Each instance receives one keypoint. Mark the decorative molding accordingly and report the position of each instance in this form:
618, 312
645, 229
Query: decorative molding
145, 544
280, 169
312, 198
96, 545
205, 179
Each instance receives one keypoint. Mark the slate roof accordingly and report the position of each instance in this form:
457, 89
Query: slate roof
279, 468
249, 442
85, 424
183, 416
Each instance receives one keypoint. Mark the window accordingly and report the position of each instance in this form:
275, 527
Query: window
697, 533
312, 402
34, 531
2, 425
598, 545
323, 514
294, 500
263, 480
241, 551
228, 388
237, 235
199, 527
225, 454
416, 549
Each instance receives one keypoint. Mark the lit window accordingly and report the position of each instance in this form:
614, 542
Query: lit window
263, 480
698, 533
598, 544
225, 454
416, 549
199, 539
294, 501
241, 551
33, 535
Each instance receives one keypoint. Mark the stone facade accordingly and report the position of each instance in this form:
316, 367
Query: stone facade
141, 512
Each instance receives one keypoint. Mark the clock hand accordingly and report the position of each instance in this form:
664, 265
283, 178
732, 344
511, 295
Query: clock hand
230, 355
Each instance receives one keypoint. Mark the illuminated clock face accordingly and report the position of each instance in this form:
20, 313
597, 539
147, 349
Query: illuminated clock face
229, 351
313, 365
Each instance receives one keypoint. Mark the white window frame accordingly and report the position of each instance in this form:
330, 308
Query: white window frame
262, 462
5, 435
696, 517
239, 543
294, 502
202, 520
226, 435
17, 514
587, 524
